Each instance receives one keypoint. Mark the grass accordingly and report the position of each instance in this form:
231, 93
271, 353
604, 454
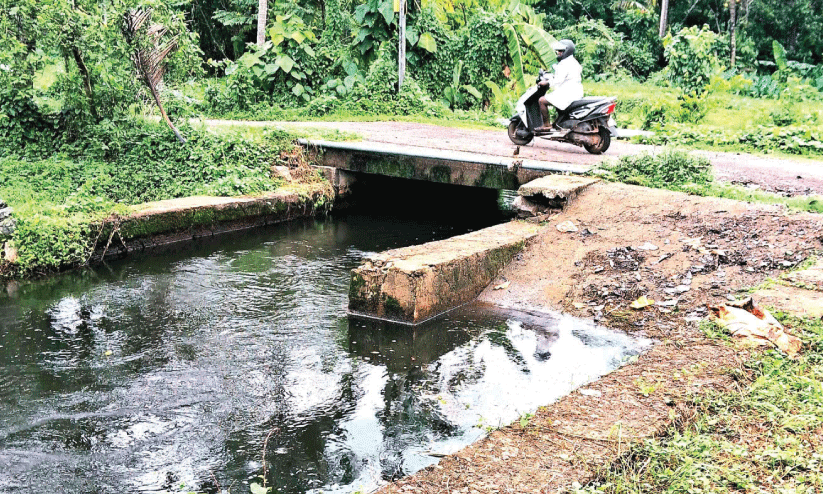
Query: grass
813, 204
767, 436
727, 111
256, 130
58, 198
461, 120
680, 171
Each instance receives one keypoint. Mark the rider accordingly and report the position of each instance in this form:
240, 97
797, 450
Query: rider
566, 82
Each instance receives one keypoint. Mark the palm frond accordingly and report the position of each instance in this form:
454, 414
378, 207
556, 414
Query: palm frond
151, 46
635, 4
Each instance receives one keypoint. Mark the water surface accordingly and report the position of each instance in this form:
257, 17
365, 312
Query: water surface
167, 373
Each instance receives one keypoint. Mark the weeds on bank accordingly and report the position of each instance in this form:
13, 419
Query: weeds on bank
60, 190
681, 171
765, 437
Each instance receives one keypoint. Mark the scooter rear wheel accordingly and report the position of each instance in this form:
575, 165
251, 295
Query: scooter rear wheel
605, 142
514, 126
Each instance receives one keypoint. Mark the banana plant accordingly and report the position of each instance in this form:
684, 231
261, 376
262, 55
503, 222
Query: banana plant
453, 96
525, 28
501, 102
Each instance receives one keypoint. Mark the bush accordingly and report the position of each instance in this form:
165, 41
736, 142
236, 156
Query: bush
483, 50
783, 116
600, 50
692, 58
22, 123
669, 169
643, 48
685, 109
799, 139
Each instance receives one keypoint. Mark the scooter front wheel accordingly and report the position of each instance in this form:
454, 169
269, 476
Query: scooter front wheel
516, 125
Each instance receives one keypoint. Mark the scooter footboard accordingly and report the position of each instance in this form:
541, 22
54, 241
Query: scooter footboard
534, 116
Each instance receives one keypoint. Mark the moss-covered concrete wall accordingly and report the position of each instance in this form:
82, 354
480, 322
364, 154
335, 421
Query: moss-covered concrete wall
420, 282
429, 169
165, 222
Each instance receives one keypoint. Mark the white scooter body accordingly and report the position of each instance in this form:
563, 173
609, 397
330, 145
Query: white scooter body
587, 122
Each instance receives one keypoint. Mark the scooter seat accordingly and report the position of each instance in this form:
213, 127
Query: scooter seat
583, 102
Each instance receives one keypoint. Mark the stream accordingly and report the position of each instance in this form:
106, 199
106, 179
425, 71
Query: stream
176, 371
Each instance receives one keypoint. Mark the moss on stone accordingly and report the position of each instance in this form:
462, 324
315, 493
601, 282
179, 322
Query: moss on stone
393, 307
495, 177
355, 285
440, 173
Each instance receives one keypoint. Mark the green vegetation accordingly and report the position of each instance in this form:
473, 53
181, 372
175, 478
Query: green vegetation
764, 438
668, 169
79, 77
59, 197
680, 171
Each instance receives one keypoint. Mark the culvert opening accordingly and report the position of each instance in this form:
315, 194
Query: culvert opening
418, 200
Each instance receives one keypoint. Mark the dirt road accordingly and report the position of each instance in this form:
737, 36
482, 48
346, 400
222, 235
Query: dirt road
684, 252
786, 176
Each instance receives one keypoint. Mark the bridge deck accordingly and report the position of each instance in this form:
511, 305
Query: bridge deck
435, 165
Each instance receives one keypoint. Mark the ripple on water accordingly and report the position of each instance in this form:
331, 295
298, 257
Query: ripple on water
168, 371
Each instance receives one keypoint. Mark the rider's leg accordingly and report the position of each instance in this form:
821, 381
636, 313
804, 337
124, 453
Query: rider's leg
544, 112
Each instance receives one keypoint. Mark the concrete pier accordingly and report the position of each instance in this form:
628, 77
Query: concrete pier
416, 283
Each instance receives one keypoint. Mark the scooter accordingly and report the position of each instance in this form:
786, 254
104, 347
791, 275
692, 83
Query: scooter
587, 122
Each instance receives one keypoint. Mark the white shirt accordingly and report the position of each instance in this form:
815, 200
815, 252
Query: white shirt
566, 83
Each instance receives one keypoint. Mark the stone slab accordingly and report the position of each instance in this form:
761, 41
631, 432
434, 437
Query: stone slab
555, 187
811, 277
161, 223
416, 283
793, 300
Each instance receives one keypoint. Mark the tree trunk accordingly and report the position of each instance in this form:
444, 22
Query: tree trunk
664, 17
165, 116
87, 86
323, 12
733, 30
401, 57
262, 11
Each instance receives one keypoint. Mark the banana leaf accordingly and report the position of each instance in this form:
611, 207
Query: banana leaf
513, 44
540, 43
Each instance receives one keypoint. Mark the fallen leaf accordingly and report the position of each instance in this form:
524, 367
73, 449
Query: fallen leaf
502, 286
642, 302
579, 305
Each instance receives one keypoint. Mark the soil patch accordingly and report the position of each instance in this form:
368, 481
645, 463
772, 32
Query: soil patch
682, 251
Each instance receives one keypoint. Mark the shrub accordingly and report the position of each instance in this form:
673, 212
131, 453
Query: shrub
692, 58
783, 116
685, 109
22, 123
599, 49
668, 169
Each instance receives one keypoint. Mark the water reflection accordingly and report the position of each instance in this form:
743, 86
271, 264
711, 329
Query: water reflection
166, 373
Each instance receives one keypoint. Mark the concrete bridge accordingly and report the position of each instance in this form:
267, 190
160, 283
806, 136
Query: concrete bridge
431, 164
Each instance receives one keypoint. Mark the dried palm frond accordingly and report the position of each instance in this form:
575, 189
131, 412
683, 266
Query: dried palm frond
151, 47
